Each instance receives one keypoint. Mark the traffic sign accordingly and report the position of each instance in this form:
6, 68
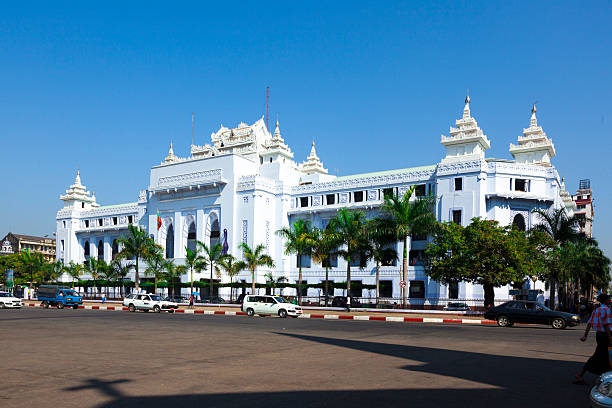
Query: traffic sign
402, 284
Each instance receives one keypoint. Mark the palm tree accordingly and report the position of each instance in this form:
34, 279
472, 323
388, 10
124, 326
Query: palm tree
74, 270
348, 231
31, 263
172, 273
561, 229
379, 234
324, 245
298, 240
53, 271
409, 217
121, 271
138, 245
254, 258
95, 267
155, 266
211, 256
232, 267
194, 262
108, 274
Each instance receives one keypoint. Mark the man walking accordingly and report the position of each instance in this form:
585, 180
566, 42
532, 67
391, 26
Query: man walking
600, 321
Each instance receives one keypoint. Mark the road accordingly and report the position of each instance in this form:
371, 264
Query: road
88, 358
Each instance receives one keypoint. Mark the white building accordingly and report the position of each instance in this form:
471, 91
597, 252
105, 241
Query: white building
245, 185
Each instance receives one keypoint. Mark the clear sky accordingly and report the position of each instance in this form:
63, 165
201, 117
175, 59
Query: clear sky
374, 84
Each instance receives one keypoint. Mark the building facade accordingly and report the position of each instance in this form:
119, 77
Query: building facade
245, 185
584, 207
15, 243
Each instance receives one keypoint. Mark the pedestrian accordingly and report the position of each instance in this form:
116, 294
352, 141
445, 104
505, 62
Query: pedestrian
600, 321
103, 297
191, 300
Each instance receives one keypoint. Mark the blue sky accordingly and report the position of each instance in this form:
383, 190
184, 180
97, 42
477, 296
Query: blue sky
374, 84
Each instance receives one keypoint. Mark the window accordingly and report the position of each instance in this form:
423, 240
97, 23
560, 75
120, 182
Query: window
358, 196
453, 290
170, 242
457, 216
64, 224
417, 289
330, 287
82, 205
191, 237
386, 288
387, 192
356, 288
458, 184
100, 250
415, 257
130, 219
519, 222
521, 185
330, 262
86, 223
419, 190
86, 249
418, 237
303, 201
357, 261
581, 206
115, 249
306, 261
114, 220
62, 244
99, 222
330, 199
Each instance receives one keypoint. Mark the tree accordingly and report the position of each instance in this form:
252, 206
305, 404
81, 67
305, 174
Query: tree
31, 264
409, 217
137, 245
53, 271
194, 262
561, 229
254, 258
156, 266
273, 282
96, 268
482, 253
324, 245
173, 273
74, 270
379, 233
232, 267
120, 271
108, 274
211, 257
299, 241
347, 230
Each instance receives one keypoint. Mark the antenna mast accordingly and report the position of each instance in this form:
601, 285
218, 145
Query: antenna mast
268, 108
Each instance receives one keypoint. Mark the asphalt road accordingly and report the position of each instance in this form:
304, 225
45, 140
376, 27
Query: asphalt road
88, 358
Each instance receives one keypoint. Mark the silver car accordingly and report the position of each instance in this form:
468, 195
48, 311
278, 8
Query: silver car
601, 393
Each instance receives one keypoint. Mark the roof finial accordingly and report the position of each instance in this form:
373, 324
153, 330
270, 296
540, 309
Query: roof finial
533, 110
534, 120
77, 180
466, 109
467, 98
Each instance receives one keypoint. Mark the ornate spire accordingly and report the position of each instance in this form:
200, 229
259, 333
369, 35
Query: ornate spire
313, 164
533, 122
466, 141
77, 193
277, 134
170, 158
77, 180
466, 109
534, 147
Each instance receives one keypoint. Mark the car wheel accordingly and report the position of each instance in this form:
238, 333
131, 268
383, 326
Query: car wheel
250, 312
504, 321
145, 310
132, 308
45, 304
156, 309
60, 305
2, 306
558, 323
282, 313
171, 311
75, 306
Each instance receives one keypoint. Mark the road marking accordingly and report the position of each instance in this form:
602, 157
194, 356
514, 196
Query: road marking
395, 319
361, 317
471, 321
334, 317
432, 320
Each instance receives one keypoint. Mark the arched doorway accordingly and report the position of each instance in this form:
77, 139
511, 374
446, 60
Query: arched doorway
100, 250
191, 237
115, 251
170, 242
519, 222
86, 250
215, 233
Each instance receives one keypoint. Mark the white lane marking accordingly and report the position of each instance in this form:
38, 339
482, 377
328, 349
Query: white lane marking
394, 319
364, 318
230, 313
471, 321
432, 320
330, 316
209, 312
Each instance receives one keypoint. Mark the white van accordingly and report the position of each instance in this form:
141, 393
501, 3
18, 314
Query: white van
265, 305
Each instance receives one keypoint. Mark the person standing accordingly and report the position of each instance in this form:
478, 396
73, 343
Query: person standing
103, 297
600, 321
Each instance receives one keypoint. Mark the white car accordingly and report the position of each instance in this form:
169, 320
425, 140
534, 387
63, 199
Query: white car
9, 301
265, 305
601, 393
146, 302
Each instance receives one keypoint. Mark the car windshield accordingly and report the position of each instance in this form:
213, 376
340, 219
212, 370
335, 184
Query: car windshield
280, 299
71, 293
156, 297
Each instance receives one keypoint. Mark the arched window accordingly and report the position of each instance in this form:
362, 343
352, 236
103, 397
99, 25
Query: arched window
215, 234
170, 242
100, 250
191, 237
115, 249
519, 222
86, 250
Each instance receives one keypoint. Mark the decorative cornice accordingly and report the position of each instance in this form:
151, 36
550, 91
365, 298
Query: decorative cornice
189, 179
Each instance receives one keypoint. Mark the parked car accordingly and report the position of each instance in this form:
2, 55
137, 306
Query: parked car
214, 300
54, 295
177, 299
520, 311
601, 393
266, 305
340, 301
8, 301
146, 302
457, 307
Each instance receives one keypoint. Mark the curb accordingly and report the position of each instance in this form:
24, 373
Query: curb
398, 319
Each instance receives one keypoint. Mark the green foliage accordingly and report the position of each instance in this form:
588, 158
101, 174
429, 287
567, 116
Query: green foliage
137, 245
254, 258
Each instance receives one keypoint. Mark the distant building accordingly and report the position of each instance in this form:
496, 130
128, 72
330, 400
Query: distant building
15, 243
584, 207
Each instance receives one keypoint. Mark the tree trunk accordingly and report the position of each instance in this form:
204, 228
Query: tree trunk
553, 292
348, 281
211, 280
405, 273
191, 272
489, 295
136, 277
300, 279
326, 284
253, 285
377, 281
231, 290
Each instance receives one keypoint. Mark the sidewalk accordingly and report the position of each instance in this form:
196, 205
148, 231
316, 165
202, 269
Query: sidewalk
317, 314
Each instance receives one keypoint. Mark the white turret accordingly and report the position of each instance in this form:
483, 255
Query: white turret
466, 141
77, 197
534, 146
275, 149
313, 164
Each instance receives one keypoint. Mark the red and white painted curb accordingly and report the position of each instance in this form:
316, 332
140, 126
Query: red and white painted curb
310, 316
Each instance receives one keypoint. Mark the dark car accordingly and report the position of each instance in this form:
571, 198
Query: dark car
340, 301
213, 300
459, 307
177, 299
518, 311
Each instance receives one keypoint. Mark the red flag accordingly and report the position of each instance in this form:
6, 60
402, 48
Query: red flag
159, 221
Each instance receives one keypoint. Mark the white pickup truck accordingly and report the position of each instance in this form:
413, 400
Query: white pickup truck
146, 302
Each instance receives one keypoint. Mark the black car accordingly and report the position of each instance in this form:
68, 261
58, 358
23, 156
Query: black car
177, 299
520, 311
213, 300
340, 301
